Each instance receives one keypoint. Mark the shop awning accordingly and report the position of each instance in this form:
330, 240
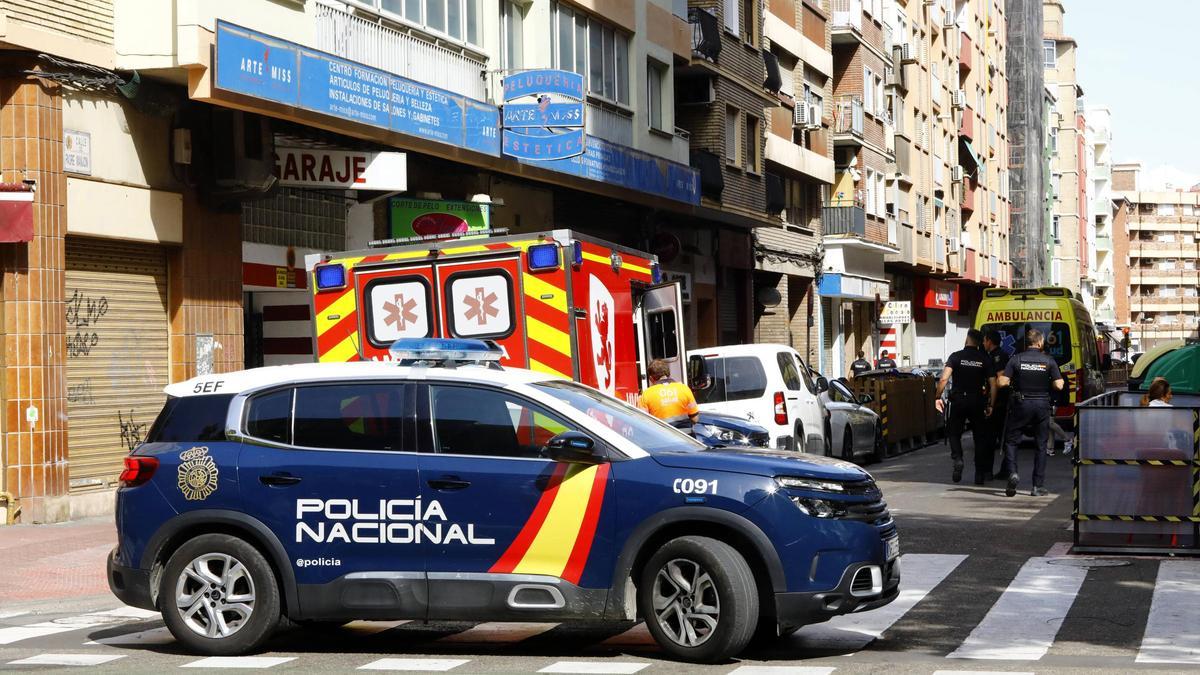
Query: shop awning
966, 150
16, 212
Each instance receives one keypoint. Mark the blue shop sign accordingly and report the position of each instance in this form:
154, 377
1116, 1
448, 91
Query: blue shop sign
628, 168
534, 82
250, 63
544, 146
545, 114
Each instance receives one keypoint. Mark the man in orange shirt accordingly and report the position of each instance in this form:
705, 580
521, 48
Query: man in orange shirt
666, 399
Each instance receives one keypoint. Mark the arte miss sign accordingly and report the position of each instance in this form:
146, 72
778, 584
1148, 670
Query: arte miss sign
341, 169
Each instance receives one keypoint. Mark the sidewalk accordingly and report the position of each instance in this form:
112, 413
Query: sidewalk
47, 562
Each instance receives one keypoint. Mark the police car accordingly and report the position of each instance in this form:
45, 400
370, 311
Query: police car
443, 487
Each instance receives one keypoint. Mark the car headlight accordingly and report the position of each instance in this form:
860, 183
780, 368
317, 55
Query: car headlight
819, 508
721, 434
795, 483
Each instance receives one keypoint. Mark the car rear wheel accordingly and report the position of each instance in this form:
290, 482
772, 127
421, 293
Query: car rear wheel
880, 448
699, 599
219, 595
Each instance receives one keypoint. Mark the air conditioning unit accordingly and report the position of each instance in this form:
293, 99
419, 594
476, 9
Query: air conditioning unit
957, 174
814, 115
949, 20
907, 53
241, 152
958, 99
800, 114
952, 245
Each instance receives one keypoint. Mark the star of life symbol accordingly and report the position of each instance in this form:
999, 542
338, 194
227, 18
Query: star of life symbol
1008, 343
197, 474
480, 306
400, 312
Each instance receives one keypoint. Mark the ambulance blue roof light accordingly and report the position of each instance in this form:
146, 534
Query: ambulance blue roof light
446, 350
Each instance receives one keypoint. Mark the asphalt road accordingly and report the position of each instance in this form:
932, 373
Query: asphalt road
987, 586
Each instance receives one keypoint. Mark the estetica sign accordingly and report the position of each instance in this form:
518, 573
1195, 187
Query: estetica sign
349, 170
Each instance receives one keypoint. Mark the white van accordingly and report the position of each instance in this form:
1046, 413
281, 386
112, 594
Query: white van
767, 384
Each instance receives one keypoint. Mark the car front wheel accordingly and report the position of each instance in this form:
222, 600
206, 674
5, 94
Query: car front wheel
699, 600
219, 596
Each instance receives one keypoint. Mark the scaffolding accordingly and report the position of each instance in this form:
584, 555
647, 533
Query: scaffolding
1028, 160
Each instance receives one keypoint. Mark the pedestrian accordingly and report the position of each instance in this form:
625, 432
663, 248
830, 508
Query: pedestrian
860, 365
668, 400
992, 342
885, 362
1032, 374
972, 397
1159, 395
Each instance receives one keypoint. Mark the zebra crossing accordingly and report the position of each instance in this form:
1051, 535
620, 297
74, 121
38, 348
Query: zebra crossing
1020, 626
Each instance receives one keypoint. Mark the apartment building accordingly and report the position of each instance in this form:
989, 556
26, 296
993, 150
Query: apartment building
1028, 159
1162, 238
799, 165
1098, 285
172, 213
1068, 172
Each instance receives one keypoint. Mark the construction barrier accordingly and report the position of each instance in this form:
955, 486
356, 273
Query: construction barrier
905, 405
1137, 476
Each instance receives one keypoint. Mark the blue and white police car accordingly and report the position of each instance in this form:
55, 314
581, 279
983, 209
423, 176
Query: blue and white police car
443, 487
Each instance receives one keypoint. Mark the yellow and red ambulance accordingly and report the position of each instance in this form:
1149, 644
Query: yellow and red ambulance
557, 301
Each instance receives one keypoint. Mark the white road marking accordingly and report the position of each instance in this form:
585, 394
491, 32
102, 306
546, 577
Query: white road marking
130, 613
67, 660
417, 665
152, 637
979, 672
1060, 549
499, 631
1024, 621
1170, 635
10, 614
13, 634
239, 662
780, 670
594, 667
920, 573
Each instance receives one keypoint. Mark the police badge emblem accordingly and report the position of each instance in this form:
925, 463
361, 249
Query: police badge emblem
197, 474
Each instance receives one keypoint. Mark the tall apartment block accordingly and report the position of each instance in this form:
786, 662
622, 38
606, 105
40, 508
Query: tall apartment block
1098, 284
1027, 142
1163, 246
1068, 178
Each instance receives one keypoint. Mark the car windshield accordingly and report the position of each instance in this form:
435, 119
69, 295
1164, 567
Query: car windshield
641, 429
1012, 337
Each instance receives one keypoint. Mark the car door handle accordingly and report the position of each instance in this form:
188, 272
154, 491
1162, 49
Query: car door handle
448, 483
279, 479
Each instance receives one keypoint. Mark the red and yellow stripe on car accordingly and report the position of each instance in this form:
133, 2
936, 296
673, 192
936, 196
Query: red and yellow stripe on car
557, 537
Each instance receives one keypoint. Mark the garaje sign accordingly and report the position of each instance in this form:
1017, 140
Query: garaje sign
300, 167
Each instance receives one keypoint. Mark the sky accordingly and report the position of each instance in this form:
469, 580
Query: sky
1138, 59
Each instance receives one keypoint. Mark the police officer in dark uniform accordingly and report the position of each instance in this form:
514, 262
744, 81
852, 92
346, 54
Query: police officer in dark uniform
999, 357
1033, 375
885, 362
971, 399
859, 366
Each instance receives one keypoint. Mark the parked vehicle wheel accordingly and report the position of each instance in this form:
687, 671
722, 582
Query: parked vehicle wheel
828, 441
699, 600
880, 452
219, 595
848, 445
769, 632
801, 442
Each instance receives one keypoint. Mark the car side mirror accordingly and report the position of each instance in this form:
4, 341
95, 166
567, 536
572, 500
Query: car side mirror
574, 447
822, 384
698, 377
865, 399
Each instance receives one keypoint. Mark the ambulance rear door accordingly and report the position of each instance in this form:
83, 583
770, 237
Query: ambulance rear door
396, 302
659, 318
482, 299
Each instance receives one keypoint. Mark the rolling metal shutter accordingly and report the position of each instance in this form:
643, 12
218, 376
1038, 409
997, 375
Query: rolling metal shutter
117, 353
827, 319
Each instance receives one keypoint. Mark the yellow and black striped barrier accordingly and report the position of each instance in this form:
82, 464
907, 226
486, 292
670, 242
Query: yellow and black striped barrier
1137, 462
1139, 519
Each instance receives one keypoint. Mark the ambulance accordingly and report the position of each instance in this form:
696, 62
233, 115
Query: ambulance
1070, 337
557, 302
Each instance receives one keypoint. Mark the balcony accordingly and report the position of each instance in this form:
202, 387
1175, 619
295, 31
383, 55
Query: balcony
847, 21
844, 220
370, 42
706, 34
994, 268
611, 125
966, 53
784, 152
1102, 172
966, 128
1104, 243
939, 173
848, 120
904, 240
970, 188
903, 165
